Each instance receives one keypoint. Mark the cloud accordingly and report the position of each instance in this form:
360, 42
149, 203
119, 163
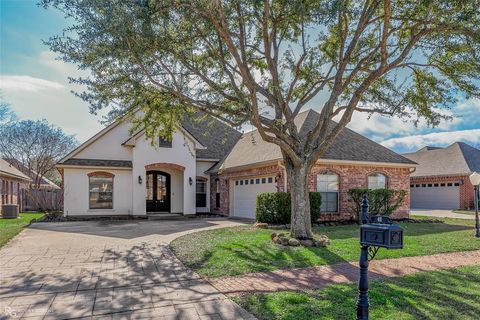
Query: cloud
28, 83
440, 139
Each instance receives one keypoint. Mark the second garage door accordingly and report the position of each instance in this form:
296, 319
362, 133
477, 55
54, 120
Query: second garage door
245, 194
435, 197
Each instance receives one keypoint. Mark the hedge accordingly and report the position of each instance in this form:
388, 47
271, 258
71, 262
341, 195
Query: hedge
381, 201
274, 207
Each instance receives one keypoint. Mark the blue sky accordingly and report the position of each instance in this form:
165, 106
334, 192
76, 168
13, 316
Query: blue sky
35, 85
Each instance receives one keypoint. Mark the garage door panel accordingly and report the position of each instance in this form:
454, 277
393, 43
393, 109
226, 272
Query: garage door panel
435, 197
245, 195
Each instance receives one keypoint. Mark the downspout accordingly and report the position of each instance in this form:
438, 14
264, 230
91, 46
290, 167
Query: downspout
284, 175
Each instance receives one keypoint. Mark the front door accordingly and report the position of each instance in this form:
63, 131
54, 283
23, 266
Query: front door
158, 191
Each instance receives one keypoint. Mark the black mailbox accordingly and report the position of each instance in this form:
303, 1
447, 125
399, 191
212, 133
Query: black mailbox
388, 236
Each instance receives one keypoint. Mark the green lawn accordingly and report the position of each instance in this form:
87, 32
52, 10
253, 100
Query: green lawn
9, 228
446, 294
240, 250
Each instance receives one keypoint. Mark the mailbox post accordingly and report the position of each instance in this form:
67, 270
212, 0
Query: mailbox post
375, 232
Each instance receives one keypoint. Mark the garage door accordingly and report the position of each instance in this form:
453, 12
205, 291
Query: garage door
435, 196
245, 194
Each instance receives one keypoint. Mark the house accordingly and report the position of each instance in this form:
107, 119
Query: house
40, 181
441, 181
12, 182
210, 167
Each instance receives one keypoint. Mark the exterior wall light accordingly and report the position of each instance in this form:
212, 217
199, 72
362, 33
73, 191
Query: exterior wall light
139, 179
190, 180
475, 180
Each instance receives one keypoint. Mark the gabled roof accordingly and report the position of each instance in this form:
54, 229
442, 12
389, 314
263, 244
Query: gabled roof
8, 170
43, 181
349, 146
457, 159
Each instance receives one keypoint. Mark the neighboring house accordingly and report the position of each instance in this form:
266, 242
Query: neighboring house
441, 181
12, 182
210, 167
41, 182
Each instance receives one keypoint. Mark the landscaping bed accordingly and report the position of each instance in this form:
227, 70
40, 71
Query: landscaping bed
9, 228
445, 294
246, 249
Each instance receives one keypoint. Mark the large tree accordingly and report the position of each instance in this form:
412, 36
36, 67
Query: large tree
35, 145
263, 61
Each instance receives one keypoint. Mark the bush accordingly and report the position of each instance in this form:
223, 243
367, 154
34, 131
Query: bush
274, 207
381, 201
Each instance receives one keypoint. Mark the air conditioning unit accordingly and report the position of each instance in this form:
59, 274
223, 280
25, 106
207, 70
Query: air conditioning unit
10, 211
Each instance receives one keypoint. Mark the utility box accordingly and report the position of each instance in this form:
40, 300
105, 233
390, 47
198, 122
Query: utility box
10, 211
388, 236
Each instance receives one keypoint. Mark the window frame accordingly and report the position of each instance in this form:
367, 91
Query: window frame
101, 174
323, 205
204, 193
376, 174
163, 143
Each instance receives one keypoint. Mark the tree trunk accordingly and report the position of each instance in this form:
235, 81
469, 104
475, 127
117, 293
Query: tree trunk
297, 176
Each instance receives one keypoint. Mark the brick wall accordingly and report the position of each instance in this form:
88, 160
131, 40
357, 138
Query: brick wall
351, 176
11, 190
466, 188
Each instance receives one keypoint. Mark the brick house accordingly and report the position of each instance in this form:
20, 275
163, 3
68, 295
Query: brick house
12, 182
353, 161
441, 181
210, 167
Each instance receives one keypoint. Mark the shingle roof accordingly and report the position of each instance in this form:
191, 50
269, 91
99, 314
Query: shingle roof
8, 170
349, 146
44, 182
457, 159
98, 163
218, 137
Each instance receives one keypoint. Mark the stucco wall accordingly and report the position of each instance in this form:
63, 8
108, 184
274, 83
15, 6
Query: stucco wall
109, 146
181, 153
351, 176
76, 192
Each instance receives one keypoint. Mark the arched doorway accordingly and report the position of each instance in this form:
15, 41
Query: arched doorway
158, 191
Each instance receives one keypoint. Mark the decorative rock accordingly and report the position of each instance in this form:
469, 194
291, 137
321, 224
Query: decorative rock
261, 225
293, 242
307, 243
323, 241
283, 240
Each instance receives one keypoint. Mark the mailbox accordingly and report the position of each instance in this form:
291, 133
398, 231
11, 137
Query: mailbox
388, 236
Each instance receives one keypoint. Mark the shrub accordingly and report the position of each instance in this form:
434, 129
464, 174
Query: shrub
381, 201
274, 207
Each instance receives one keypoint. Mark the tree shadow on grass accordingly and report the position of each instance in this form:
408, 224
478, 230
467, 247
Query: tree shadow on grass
446, 294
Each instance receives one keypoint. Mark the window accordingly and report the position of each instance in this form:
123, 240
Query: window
252, 181
246, 182
328, 186
201, 193
377, 181
163, 143
270, 180
257, 181
264, 180
101, 190
217, 193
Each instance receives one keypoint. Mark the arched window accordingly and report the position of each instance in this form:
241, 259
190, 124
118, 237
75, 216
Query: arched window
377, 181
100, 186
328, 186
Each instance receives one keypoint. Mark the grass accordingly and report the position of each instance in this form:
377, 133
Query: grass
240, 250
9, 228
445, 294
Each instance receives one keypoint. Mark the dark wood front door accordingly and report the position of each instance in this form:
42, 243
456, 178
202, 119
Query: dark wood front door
158, 191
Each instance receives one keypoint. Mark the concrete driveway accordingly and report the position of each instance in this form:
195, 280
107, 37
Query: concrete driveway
441, 214
107, 270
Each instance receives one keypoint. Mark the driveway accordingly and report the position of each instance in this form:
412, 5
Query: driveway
107, 270
441, 214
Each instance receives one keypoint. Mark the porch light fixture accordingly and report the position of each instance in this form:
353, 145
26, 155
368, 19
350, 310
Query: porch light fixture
139, 179
190, 180
475, 180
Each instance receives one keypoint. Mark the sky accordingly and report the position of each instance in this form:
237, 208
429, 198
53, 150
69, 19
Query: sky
36, 86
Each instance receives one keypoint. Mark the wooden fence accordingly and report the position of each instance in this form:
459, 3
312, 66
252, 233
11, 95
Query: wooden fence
42, 200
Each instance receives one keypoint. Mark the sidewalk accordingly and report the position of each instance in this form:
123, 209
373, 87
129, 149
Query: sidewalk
322, 276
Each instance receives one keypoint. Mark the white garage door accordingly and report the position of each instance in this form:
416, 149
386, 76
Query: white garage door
435, 196
245, 194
